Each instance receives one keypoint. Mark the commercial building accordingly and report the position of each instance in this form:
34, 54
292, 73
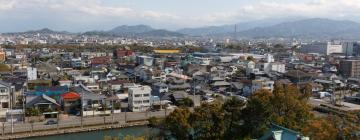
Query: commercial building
139, 98
323, 48
350, 68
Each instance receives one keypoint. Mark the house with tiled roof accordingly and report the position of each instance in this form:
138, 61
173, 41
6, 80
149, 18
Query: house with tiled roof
70, 102
277, 132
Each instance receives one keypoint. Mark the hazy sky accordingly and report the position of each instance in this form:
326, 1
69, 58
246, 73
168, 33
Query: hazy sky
82, 15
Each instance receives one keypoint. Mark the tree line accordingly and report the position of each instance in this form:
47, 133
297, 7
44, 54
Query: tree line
235, 119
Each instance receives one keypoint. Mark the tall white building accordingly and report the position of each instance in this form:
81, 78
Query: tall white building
31, 73
139, 98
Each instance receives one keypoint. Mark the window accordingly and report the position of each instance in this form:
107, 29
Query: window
137, 95
5, 105
146, 101
146, 95
2, 90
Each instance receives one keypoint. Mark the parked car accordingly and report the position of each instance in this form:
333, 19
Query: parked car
209, 100
51, 122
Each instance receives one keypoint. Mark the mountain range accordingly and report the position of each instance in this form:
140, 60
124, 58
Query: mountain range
315, 28
136, 31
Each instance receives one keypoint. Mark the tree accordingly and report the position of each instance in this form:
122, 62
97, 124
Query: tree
110, 138
320, 129
250, 58
207, 122
306, 91
289, 109
257, 114
279, 46
233, 118
177, 123
285, 106
186, 102
32, 112
240, 73
154, 122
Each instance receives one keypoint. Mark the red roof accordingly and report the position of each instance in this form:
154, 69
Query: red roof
70, 96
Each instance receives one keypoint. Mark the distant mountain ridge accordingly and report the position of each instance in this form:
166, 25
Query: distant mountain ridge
308, 28
41, 31
136, 31
230, 29
315, 28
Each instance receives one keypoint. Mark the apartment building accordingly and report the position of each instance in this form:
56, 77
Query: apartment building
139, 98
350, 68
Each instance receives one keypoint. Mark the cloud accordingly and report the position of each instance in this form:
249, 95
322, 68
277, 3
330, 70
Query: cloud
86, 11
275, 9
6, 5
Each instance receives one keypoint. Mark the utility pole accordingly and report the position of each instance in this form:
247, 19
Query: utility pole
11, 107
125, 115
82, 108
23, 104
3, 128
112, 111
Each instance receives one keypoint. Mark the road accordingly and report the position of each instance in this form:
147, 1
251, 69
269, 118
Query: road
120, 118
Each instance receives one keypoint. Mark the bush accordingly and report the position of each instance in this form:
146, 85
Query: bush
186, 102
32, 112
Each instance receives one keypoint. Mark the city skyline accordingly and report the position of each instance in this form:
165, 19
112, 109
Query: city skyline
81, 15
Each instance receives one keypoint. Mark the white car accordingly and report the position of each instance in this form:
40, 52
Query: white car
209, 100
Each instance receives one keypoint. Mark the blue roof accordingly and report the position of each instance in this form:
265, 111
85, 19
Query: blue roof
49, 91
281, 133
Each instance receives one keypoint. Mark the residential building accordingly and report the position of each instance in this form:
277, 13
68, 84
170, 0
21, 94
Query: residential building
139, 98
70, 102
160, 88
145, 60
277, 132
2, 55
76, 62
262, 83
350, 68
5, 95
31, 73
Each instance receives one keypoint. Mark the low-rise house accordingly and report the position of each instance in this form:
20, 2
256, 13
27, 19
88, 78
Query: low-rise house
16, 115
148, 74
67, 83
120, 54
178, 84
116, 85
71, 102
5, 98
297, 76
262, 83
32, 84
97, 61
159, 89
277, 132
46, 70
91, 102
47, 105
